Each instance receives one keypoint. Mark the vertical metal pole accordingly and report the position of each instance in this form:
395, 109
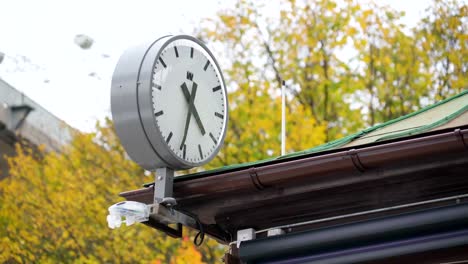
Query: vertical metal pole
283, 119
163, 184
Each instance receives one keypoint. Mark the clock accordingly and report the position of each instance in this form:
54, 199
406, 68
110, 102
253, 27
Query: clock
169, 103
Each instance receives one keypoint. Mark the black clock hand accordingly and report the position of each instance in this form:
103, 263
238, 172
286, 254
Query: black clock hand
194, 109
189, 112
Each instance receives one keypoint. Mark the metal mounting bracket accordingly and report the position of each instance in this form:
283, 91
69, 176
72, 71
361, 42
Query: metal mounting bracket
275, 232
162, 212
245, 235
162, 216
163, 186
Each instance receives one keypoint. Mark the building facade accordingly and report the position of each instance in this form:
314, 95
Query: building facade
23, 119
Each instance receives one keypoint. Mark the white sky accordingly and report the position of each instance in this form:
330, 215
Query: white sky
57, 76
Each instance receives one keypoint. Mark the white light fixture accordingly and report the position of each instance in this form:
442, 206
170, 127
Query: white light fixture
130, 211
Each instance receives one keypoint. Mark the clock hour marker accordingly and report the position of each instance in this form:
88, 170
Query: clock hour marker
169, 138
162, 62
184, 150
219, 115
217, 88
176, 52
199, 150
206, 65
159, 113
213, 138
190, 76
191, 52
157, 86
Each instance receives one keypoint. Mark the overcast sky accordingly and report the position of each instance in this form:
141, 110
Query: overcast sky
74, 84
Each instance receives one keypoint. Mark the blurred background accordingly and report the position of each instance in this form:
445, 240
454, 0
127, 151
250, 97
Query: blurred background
348, 65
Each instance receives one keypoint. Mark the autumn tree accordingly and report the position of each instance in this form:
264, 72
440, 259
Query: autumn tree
347, 65
388, 75
404, 69
53, 209
443, 36
255, 112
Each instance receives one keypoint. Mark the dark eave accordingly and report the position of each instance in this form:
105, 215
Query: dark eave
320, 185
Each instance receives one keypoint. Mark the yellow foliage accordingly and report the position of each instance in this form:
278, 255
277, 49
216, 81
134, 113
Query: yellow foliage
329, 52
187, 254
53, 207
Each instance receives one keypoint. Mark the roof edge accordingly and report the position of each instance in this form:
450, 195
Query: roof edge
338, 142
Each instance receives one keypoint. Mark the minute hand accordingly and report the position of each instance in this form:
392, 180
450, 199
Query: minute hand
193, 108
189, 112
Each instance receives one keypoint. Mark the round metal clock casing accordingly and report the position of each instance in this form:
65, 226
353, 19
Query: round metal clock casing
169, 103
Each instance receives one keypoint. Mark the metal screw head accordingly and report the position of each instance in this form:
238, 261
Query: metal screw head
160, 178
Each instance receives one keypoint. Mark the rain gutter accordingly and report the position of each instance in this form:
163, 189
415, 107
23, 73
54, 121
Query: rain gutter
309, 167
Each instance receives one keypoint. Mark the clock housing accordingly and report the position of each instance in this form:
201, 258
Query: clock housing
169, 103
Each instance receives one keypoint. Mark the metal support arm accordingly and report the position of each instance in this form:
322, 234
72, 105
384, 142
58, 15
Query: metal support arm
163, 186
162, 213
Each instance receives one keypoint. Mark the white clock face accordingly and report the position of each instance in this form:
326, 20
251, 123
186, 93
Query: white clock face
189, 101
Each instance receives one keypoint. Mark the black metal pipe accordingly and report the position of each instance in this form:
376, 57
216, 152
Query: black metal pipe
386, 250
358, 234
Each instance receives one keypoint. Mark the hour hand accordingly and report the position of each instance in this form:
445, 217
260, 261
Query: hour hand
192, 106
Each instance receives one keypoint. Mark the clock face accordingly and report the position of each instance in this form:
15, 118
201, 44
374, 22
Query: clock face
189, 101
169, 103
